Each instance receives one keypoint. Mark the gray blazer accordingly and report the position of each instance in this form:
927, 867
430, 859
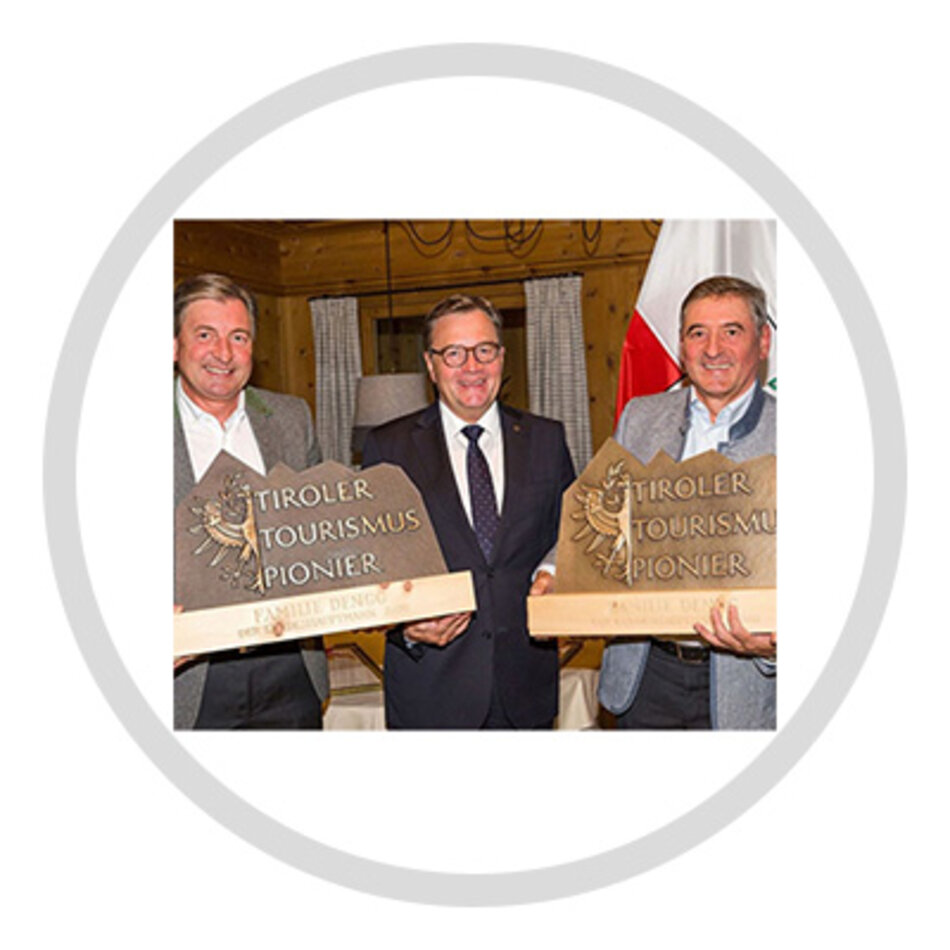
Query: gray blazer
283, 428
742, 689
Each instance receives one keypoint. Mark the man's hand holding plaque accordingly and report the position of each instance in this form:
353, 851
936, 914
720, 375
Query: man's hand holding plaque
437, 631
543, 583
733, 636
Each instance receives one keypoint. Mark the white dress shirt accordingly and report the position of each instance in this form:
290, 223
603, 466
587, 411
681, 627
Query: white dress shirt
493, 448
490, 442
704, 434
206, 437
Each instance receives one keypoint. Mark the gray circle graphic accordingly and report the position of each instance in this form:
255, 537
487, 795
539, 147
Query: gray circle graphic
507, 62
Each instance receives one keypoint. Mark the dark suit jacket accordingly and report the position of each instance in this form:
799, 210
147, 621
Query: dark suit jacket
450, 687
284, 432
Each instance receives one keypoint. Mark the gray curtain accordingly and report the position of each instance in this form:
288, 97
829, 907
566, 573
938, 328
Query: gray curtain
557, 368
336, 344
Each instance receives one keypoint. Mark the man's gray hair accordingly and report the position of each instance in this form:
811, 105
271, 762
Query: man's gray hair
212, 287
723, 286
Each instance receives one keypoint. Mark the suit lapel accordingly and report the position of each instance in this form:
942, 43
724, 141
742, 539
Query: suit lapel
436, 481
516, 434
265, 428
517, 461
677, 437
184, 477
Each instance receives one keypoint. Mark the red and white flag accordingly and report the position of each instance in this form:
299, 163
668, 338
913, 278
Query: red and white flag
687, 252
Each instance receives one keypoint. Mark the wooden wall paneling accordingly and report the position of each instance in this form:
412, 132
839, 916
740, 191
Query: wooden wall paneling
514, 389
340, 258
480, 250
349, 257
223, 247
368, 336
297, 348
609, 296
268, 358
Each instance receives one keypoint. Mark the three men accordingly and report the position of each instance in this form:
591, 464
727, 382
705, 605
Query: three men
727, 679
492, 479
277, 687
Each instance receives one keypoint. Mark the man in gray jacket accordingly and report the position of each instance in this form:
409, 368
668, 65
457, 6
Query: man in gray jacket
726, 678
273, 687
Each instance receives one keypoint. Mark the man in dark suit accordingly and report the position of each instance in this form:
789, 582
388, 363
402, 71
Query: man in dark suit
492, 479
280, 687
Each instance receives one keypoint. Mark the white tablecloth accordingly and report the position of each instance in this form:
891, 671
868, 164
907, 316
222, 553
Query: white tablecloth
364, 709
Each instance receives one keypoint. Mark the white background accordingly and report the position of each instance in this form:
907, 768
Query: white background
101, 103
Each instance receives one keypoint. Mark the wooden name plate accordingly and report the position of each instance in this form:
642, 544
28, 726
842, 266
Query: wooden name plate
309, 615
651, 549
647, 613
307, 553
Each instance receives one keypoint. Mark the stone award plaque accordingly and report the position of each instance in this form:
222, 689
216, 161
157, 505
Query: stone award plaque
650, 549
307, 553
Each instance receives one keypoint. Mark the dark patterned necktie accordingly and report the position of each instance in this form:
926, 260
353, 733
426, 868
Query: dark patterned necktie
481, 491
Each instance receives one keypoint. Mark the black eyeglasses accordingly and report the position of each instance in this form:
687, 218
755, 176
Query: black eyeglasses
457, 355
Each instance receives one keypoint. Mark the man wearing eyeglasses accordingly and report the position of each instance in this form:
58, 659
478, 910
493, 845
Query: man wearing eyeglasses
492, 479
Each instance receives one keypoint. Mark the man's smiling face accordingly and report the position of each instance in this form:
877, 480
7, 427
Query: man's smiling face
721, 348
213, 351
470, 389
